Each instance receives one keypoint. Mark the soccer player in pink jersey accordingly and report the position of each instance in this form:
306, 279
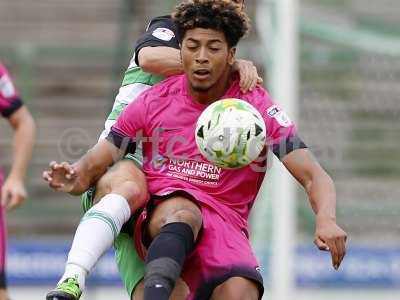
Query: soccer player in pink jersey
195, 225
109, 200
13, 191
221, 264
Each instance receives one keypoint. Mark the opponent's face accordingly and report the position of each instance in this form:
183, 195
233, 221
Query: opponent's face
206, 58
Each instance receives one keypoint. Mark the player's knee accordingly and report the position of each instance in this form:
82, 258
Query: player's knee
125, 179
133, 192
236, 288
103, 185
190, 216
176, 210
183, 215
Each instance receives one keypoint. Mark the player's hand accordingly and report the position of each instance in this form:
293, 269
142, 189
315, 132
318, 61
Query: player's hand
248, 74
60, 177
13, 193
330, 237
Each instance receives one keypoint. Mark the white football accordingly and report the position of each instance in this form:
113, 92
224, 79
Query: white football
230, 133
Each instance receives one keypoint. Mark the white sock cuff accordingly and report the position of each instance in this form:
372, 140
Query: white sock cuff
116, 206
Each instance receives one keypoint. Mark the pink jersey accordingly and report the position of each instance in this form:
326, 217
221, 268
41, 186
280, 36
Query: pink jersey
9, 97
172, 161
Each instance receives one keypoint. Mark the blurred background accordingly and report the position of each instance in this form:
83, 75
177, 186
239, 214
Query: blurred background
68, 59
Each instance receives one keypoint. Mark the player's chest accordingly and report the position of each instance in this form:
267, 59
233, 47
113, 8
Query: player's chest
173, 133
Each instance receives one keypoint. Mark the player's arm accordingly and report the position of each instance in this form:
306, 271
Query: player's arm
166, 61
161, 60
13, 191
248, 74
78, 177
322, 196
284, 142
157, 51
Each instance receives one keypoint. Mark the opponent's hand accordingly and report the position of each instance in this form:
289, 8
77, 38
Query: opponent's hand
13, 193
330, 237
61, 177
248, 74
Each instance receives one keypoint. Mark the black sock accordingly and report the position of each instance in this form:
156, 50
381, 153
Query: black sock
152, 292
165, 259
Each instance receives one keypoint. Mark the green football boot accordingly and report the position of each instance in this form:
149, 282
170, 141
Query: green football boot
67, 290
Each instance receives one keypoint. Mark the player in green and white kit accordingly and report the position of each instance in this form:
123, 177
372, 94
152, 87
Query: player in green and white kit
121, 191
157, 47
159, 36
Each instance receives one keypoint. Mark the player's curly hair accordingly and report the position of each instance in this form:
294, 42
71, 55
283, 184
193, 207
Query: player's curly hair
220, 15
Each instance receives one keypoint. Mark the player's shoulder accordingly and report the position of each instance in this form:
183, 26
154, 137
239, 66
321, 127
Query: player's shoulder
259, 92
258, 97
166, 19
161, 18
167, 89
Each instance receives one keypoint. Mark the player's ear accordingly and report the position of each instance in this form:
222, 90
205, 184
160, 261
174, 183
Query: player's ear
231, 55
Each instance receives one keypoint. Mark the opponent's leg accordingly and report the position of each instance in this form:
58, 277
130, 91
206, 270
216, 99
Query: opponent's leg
130, 265
174, 227
236, 288
125, 188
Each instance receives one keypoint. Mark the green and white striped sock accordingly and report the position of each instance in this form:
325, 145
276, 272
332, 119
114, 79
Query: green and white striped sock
95, 235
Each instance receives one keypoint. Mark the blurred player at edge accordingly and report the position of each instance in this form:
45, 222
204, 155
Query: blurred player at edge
122, 189
13, 191
220, 263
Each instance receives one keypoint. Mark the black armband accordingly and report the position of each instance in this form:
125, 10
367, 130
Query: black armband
122, 142
15, 105
288, 145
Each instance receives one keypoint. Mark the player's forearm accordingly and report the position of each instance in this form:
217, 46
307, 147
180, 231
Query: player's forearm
316, 182
322, 195
24, 136
93, 165
164, 61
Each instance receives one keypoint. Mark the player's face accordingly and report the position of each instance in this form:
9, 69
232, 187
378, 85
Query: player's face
206, 59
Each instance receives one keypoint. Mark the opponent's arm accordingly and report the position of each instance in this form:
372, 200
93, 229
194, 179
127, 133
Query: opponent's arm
157, 52
248, 74
164, 61
322, 196
78, 177
13, 191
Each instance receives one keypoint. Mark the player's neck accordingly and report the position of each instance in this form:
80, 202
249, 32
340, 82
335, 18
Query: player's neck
216, 92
